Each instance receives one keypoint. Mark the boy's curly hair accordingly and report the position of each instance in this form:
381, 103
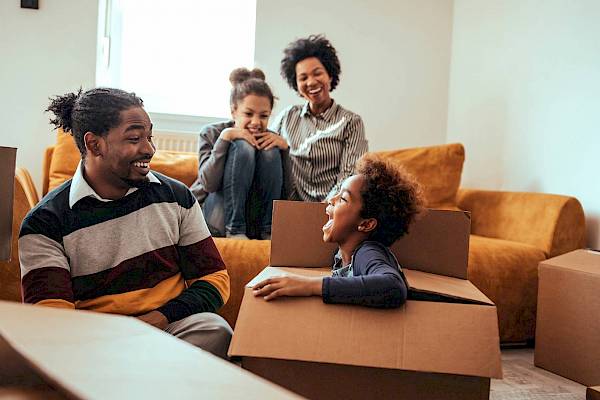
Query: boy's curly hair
390, 195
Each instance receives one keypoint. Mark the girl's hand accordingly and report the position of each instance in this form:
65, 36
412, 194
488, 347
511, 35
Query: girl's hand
288, 286
231, 134
269, 140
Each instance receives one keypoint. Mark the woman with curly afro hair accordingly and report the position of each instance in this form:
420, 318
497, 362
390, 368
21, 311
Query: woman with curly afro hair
373, 209
325, 139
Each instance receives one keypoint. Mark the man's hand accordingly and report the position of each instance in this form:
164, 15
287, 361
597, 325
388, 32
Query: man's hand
288, 286
155, 318
231, 134
269, 140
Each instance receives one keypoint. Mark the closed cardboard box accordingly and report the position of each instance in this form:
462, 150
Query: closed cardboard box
567, 340
442, 349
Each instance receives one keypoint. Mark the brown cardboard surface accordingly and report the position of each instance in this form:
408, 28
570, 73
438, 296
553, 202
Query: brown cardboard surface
592, 393
438, 242
413, 337
329, 381
453, 288
91, 355
8, 157
568, 331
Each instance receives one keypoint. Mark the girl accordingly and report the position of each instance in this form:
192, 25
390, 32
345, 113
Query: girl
372, 210
238, 157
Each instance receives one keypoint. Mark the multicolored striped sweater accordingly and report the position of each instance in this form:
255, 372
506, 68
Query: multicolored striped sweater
150, 250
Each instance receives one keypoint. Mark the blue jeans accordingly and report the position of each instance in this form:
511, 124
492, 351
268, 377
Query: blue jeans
247, 169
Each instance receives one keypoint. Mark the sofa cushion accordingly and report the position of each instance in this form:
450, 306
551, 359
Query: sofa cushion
244, 259
437, 168
502, 267
64, 161
182, 166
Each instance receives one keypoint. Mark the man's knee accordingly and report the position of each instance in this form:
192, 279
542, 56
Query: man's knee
207, 331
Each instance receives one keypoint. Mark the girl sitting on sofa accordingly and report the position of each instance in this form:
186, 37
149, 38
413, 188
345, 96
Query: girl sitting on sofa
372, 210
238, 155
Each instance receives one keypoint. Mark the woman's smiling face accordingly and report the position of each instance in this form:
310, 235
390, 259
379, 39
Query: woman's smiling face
313, 81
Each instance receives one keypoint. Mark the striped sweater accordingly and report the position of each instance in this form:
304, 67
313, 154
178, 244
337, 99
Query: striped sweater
323, 148
150, 250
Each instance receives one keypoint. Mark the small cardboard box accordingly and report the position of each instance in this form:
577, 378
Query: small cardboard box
8, 157
592, 393
567, 339
442, 349
57, 353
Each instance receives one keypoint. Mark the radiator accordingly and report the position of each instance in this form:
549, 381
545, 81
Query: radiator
177, 141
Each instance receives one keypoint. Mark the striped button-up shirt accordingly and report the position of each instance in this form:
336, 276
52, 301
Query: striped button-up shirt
323, 148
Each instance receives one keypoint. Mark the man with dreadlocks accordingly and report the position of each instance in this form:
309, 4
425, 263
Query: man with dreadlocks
119, 238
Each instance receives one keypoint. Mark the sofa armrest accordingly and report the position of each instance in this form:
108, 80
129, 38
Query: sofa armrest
46, 169
24, 180
552, 223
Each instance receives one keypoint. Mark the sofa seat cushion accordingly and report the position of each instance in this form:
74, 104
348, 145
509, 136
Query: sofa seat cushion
182, 166
498, 267
244, 259
437, 168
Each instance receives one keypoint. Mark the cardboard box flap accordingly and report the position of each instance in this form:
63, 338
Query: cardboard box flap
89, 355
582, 260
438, 242
8, 156
419, 336
431, 287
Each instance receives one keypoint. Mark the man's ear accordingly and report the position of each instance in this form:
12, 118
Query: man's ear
92, 144
367, 225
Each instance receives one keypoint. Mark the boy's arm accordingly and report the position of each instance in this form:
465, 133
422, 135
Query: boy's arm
376, 282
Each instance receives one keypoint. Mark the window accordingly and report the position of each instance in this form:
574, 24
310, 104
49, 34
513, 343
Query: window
176, 54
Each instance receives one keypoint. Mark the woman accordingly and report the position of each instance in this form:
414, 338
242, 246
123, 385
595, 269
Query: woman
241, 157
325, 139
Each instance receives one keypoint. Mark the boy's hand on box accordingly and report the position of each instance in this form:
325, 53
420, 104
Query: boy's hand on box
288, 286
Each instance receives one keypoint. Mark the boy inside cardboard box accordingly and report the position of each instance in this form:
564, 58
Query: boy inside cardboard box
445, 348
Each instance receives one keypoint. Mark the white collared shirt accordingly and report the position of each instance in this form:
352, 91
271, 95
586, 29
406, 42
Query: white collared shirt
81, 189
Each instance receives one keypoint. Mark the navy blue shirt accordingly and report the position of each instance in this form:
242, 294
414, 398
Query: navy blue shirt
373, 278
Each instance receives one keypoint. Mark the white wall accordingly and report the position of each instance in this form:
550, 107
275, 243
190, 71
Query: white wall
525, 98
394, 55
43, 53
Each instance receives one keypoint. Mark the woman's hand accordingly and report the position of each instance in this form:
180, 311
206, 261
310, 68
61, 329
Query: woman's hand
231, 134
288, 286
268, 140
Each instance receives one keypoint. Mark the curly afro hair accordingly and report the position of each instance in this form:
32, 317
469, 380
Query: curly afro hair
391, 196
313, 46
97, 110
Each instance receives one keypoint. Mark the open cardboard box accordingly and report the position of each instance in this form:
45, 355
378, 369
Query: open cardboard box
444, 348
50, 353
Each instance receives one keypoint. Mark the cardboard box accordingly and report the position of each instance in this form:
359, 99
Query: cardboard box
592, 393
567, 340
57, 353
8, 157
443, 349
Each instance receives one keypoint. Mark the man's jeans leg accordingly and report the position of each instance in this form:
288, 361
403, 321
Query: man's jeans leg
237, 179
269, 182
207, 331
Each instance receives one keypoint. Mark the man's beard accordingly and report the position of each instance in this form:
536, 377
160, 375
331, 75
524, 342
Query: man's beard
137, 183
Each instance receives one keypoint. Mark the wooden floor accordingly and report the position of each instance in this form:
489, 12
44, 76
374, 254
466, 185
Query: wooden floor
523, 381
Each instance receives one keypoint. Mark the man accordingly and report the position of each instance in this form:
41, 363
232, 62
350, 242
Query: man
121, 239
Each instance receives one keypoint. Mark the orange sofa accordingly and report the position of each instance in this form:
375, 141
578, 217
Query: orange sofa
511, 232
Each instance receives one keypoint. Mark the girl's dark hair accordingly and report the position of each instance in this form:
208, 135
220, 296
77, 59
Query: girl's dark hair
96, 110
246, 82
313, 46
390, 195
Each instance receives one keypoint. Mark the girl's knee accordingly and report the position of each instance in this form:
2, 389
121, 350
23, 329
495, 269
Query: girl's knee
272, 156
